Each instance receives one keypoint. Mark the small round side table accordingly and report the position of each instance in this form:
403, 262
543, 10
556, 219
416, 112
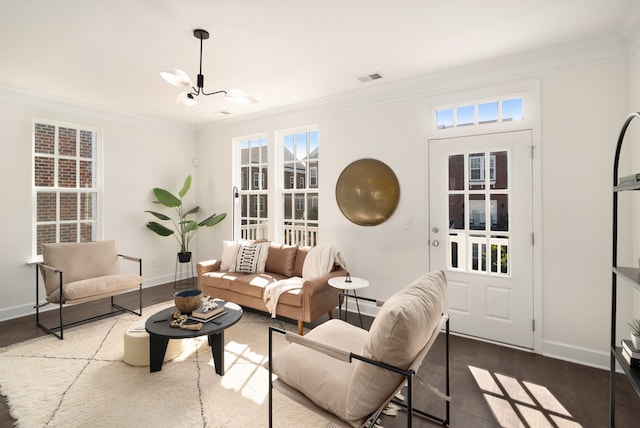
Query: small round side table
349, 283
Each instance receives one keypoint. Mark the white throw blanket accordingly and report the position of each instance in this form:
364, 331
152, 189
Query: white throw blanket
319, 261
273, 291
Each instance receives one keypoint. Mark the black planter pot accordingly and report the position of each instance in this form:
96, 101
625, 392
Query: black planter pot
184, 257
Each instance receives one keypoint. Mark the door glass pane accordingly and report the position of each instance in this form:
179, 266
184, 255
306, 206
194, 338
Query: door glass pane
499, 212
476, 171
498, 170
456, 212
477, 212
456, 172
454, 261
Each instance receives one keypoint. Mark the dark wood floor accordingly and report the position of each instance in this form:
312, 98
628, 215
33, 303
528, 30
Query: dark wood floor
491, 385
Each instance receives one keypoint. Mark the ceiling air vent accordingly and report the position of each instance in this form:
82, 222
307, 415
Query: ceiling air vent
369, 77
221, 113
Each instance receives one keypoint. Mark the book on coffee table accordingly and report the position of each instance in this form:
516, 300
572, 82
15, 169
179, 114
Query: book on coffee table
208, 309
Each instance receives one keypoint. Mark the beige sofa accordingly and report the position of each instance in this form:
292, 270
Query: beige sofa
315, 298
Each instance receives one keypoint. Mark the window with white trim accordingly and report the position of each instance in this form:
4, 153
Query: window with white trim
253, 191
65, 183
300, 204
480, 113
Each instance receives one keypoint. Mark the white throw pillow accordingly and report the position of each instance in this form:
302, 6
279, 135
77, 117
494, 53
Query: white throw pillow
229, 253
251, 258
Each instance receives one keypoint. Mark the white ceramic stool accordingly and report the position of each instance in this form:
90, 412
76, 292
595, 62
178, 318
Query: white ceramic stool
136, 347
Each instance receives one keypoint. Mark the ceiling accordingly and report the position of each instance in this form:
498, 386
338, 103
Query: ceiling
108, 54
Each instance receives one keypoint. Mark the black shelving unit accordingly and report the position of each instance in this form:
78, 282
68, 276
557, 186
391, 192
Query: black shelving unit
630, 277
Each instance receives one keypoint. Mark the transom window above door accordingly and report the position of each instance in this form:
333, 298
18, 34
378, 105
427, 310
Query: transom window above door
479, 113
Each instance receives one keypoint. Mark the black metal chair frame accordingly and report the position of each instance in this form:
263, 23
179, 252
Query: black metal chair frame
115, 308
408, 374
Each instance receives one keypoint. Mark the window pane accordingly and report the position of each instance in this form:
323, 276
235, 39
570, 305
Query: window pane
264, 177
46, 206
488, 112
87, 174
67, 141
88, 206
68, 206
87, 144
512, 109
299, 207
465, 115
312, 204
67, 173
456, 172
301, 145
313, 145
477, 171
87, 232
499, 170
477, 212
499, 212
444, 118
313, 175
456, 212
43, 172
69, 232
46, 235
288, 206
44, 138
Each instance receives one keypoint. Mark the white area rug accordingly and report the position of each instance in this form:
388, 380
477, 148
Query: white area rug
82, 381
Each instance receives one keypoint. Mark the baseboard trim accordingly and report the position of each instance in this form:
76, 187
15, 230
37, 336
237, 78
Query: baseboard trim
576, 354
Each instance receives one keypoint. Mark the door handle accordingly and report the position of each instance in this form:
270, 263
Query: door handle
435, 243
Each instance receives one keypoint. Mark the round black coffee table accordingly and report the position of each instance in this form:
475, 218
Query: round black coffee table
160, 332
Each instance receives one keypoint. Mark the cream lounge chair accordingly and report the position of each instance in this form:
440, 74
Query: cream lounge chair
349, 375
82, 272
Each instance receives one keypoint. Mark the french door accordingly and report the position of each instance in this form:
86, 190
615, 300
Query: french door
481, 233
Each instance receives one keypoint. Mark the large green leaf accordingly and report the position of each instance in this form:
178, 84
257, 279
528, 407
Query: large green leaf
159, 215
166, 198
185, 187
159, 229
191, 211
189, 226
213, 220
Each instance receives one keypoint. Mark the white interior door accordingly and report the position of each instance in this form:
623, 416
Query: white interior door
481, 233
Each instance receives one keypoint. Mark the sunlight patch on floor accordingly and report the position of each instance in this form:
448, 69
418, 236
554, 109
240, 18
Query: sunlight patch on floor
517, 403
244, 372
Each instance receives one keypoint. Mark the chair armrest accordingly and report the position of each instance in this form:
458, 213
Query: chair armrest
208, 266
333, 351
47, 267
133, 259
129, 258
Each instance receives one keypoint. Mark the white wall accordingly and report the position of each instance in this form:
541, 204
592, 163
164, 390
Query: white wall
138, 155
584, 99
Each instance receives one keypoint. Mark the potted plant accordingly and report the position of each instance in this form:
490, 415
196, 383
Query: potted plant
183, 228
635, 332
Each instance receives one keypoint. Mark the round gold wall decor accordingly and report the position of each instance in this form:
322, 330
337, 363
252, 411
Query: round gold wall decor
367, 192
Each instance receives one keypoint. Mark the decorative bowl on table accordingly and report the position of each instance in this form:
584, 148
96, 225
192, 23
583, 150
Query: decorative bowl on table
187, 300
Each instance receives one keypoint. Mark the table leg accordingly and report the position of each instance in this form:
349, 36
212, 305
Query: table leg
157, 349
216, 341
358, 306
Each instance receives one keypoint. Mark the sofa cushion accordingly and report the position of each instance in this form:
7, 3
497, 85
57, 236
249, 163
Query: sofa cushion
281, 259
398, 333
251, 258
229, 253
300, 256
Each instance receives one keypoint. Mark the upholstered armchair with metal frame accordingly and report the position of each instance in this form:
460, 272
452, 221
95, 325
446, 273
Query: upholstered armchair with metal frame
349, 375
82, 272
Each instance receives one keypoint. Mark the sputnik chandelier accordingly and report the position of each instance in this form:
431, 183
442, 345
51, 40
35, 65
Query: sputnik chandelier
179, 78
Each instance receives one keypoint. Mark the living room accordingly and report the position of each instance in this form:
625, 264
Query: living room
579, 91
